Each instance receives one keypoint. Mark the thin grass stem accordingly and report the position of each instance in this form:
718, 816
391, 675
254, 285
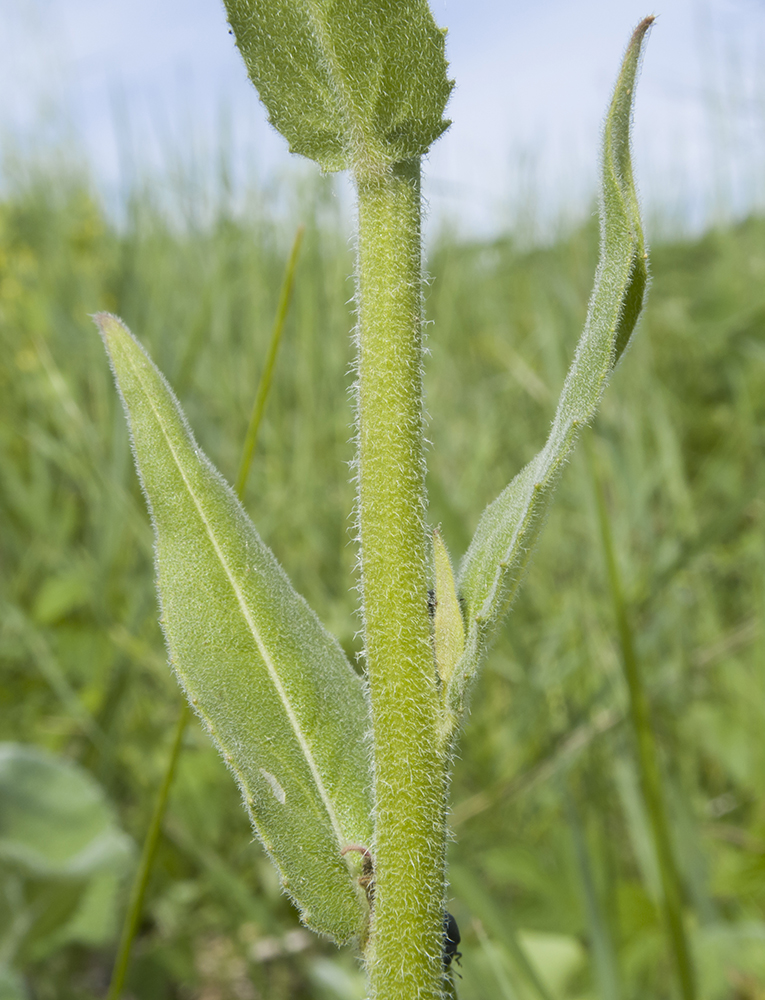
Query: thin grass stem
259, 406
141, 881
603, 952
495, 962
647, 751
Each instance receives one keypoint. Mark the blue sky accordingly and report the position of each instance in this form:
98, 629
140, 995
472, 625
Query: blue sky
138, 83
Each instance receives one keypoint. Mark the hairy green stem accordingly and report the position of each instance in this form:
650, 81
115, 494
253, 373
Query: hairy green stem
404, 956
647, 756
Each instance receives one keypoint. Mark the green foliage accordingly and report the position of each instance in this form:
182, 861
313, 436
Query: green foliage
493, 567
552, 698
12, 986
683, 484
357, 84
272, 687
62, 857
331, 76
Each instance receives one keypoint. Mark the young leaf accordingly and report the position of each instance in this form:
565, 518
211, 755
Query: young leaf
493, 566
273, 688
358, 83
448, 627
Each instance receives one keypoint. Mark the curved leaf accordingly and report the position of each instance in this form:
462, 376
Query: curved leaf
272, 686
347, 84
493, 566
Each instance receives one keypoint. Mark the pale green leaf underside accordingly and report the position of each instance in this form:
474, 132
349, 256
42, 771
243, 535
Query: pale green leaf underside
272, 686
493, 566
348, 83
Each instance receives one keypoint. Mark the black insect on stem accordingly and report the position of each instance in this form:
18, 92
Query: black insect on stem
451, 940
432, 602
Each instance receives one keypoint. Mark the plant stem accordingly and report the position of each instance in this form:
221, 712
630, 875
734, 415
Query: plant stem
141, 881
405, 952
647, 755
259, 406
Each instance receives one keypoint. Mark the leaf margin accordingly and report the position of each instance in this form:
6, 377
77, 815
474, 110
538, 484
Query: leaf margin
116, 337
494, 565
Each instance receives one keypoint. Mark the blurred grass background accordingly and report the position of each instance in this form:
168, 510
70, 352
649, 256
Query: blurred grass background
554, 880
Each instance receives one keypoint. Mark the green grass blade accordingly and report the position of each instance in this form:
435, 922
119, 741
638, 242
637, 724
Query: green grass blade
501, 927
603, 951
273, 688
241, 899
494, 959
14, 620
647, 759
259, 406
149, 850
494, 564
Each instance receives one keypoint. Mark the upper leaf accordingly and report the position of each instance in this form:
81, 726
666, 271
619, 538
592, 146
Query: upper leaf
348, 83
493, 566
273, 687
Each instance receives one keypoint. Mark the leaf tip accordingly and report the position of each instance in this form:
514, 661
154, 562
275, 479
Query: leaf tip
635, 46
104, 320
644, 25
109, 326
638, 35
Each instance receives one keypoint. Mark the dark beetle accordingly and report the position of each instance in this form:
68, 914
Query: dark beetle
451, 940
432, 603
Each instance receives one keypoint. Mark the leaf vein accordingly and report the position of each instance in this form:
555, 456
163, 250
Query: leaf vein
258, 639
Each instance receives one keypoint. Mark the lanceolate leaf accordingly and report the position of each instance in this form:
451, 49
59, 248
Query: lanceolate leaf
493, 566
274, 689
350, 84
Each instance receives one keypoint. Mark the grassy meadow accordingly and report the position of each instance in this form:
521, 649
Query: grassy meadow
554, 879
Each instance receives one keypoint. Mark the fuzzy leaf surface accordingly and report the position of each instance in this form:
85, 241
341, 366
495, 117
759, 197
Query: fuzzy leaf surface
493, 566
272, 686
348, 83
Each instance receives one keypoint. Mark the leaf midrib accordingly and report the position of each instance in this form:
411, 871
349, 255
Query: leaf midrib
259, 642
